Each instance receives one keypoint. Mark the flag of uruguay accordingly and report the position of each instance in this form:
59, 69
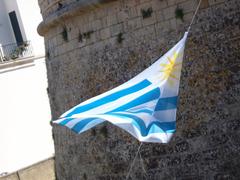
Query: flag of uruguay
145, 106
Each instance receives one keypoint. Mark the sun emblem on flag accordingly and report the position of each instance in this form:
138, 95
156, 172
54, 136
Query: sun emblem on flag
170, 69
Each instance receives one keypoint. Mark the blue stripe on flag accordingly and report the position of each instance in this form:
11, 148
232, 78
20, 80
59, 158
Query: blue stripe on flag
109, 98
157, 127
65, 121
166, 103
153, 127
142, 111
81, 124
138, 122
151, 95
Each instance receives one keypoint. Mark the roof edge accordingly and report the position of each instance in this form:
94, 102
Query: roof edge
73, 9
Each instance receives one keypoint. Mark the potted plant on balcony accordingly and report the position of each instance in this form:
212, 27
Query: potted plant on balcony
19, 51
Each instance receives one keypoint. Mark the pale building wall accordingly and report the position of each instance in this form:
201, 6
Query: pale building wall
28, 14
11, 5
31, 17
6, 32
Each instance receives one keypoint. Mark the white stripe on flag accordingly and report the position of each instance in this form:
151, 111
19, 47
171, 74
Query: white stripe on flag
117, 103
119, 88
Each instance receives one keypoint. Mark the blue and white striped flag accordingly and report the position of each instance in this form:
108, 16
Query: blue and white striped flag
145, 106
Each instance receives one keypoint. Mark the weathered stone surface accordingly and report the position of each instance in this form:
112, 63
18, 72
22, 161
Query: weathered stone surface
206, 145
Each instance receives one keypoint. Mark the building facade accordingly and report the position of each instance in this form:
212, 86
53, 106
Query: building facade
11, 28
93, 46
12, 33
18, 36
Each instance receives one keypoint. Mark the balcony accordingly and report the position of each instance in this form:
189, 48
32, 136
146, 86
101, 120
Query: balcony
15, 51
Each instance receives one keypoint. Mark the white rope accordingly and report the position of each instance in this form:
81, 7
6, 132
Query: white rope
195, 13
139, 147
142, 162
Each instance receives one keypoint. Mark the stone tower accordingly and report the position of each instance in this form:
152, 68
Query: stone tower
95, 45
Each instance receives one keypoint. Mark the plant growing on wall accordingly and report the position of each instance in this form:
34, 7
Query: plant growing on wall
80, 37
93, 132
19, 50
104, 131
5, 58
47, 54
60, 6
146, 13
179, 13
85, 176
86, 35
120, 38
65, 34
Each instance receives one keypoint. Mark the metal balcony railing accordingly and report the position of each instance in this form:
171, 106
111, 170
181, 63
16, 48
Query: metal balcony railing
15, 51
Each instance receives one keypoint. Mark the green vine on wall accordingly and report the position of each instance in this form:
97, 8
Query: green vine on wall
19, 51
93, 132
60, 6
85, 176
120, 38
47, 54
104, 131
146, 13
80, 37
86, 35
179, 13
65, 34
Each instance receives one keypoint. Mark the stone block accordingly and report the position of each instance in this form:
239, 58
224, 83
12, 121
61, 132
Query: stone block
158, 4
105, 33
204, 4
171, 2
150, 20
159, 16
188, 6
116, 29
96, 25
169, 12
100, 12
133, 24
144, 1
59, 39
114, 7
111, 20
127, 13
173, 24
162, 28
122, 16
213, 2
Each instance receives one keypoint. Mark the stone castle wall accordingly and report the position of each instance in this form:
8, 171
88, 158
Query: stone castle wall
93, 46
